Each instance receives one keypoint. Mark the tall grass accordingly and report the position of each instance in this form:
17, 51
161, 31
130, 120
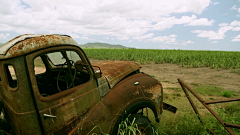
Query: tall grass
213, 59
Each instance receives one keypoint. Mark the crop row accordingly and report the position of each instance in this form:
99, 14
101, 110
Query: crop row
213, 59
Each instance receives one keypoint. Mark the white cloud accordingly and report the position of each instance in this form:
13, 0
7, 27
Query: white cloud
168, 22
189, 42
214, 42
123, 19
164, 23
220, 34
185, 19
77, 36
4, 36
215, 3
209, 34
201, 22
224, 29
233, 7
142, 37
171, 39
236, 29
235, 23
236, 39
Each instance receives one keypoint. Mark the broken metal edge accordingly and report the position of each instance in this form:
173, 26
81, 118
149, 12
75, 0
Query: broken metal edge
169, 107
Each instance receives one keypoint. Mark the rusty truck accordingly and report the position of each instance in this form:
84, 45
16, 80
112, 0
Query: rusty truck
49, 86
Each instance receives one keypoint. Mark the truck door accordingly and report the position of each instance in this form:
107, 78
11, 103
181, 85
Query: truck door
63, 94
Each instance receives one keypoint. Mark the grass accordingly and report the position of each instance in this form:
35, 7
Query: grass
182, 124
126, 129
227, 94
213, 59
229, 114
208, 90
186, 122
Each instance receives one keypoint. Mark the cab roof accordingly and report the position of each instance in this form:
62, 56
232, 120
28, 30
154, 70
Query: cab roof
27, 43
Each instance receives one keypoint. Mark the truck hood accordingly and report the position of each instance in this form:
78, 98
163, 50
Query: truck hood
114, 71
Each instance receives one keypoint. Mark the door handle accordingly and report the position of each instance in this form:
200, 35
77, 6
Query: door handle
49, 116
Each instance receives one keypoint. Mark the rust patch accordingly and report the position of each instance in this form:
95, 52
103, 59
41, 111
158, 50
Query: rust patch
114, 71
71, 123
23, 44
126, 92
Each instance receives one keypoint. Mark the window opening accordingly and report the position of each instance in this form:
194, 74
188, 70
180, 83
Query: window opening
39, 66
57, 58
62, 74
11, 76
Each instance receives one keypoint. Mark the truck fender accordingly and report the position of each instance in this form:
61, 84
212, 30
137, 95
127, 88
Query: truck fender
132, 94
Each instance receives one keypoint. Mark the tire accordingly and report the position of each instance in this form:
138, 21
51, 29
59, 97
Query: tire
144, 124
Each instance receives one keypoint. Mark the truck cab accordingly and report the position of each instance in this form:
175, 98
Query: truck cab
49, 86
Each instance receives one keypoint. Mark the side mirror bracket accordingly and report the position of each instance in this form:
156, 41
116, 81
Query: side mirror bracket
97, 73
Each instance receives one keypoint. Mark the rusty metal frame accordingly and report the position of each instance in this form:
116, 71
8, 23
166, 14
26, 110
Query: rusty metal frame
227, 126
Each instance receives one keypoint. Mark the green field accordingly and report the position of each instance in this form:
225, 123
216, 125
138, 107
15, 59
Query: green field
213, 59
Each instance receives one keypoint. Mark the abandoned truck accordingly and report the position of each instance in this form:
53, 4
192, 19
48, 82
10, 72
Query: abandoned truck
49, 86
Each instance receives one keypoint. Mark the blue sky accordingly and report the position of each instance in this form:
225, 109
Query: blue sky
151, 24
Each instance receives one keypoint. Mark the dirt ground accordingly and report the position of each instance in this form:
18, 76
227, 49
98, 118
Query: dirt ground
168, 74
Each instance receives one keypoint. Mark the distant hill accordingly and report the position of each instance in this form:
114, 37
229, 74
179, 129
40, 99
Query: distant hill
101, 45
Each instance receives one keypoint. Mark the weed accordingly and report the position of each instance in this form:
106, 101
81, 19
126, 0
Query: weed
235, 71
227, 94
178, 94
165, 81
126, 129
218, 76
195, 84
174, 88
166, 96
153, 76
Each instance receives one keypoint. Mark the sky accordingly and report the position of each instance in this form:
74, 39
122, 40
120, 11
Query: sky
143, 24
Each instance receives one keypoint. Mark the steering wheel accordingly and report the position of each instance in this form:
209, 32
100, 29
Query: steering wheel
66, 76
